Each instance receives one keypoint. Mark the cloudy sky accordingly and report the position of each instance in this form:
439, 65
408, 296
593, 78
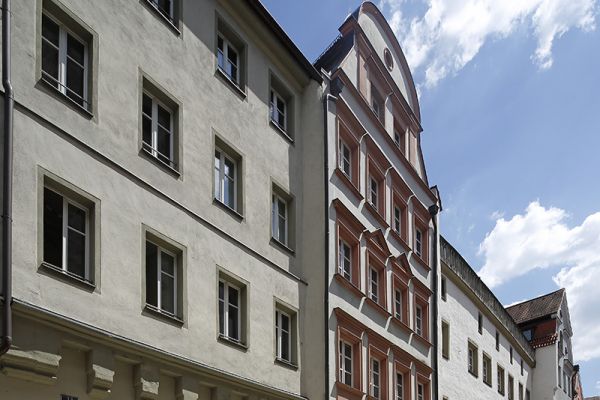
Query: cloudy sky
510, 102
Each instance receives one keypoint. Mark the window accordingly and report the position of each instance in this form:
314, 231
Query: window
398, 304
345, 159
419, 242
445, 340
443, 288
501, 387
480, 323
67, 397
487, 370
226, 179
377, 103
397, 139
345, 363
228, 59
559, 377
374, 284
527, 394
528, 333
66, 235
278, 110
373, 192
165, 8
511, 388
472, 359
279, 219
521, 391
510, 350
399, 386
375, 383
397, 220
521, 366
163, 278
497, 341
283, 326
419, 320
230, 313
345, 260
420, 391
65, 60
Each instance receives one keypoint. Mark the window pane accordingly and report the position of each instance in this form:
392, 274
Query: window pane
221, 308
75, 50
164, 144
167, 262
76, 253
147, 130
229, 184
147, 105
218, 175
165, 7
50, 30
233, 297
53, 214
50, 61
232, 323
151, 274
76, 218
164, 118
75, 78
285, 342
167, 293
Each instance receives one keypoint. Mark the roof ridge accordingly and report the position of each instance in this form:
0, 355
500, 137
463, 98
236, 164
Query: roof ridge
536, 298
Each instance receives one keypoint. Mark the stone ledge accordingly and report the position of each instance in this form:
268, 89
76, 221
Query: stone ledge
32, 366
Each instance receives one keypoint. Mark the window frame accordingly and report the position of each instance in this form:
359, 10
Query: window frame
225, 156
225, 334
511, 387
273, 97
227, 44
279, 313
341, 158
159, 250
150, 147
500, 377
486, 370
418, 242
473, 359
342, 244
419, 328
445, 340
374, 283
342, 358
372, 375
275, 234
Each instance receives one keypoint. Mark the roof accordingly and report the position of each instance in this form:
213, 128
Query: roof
270, 22
540, 307
544, 341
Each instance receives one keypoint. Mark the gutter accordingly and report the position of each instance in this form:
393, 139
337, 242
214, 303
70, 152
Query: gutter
7, 183
433, 211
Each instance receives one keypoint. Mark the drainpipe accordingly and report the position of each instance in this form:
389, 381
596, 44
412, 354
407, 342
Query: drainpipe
433, 211
7, 182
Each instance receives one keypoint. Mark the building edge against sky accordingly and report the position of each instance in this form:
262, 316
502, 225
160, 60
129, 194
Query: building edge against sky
266, 232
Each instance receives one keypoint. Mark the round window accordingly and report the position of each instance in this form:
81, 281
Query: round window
389, 60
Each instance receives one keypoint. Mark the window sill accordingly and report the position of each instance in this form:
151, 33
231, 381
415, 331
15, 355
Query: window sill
232, 85
423, 340
52, 90
281, 131
349, 285
377, 215
228, 209
155, 312
283, 246
166, 167
474, 375
67, 276
346, 179
232, 342
378, 307
163, 17
286, 363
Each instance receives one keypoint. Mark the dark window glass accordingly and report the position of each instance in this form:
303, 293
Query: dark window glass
53, 227
167, 283
221, 308
151, 274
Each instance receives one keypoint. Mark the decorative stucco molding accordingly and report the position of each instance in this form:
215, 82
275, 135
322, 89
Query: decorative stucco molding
146, 380
100, 374
32, 366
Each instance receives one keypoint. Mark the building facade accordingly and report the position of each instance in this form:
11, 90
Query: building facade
546, 324
483, 354
158, 201
381, 215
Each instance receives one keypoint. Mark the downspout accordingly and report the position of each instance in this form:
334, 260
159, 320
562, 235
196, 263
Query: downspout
433, 211
7, 183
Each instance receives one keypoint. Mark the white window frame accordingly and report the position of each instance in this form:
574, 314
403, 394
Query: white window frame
342, 159
399, 386
374, 283
153, 147
398, 303
373, 194
420, 391
279, 334
375, 381
226, 46
220, 193
275, 218
159, 272
343, 258
419, 320
342, 361
63, 31
397, 219
273, 109
419, 242
171, 17
65, 234
226, 286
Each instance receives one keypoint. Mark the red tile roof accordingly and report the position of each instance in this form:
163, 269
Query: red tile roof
539, 307
543, 341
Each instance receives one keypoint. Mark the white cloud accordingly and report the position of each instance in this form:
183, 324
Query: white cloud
497, 214
450, 33
540, 239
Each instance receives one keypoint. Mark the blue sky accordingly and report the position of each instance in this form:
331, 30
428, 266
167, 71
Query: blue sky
511, 119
